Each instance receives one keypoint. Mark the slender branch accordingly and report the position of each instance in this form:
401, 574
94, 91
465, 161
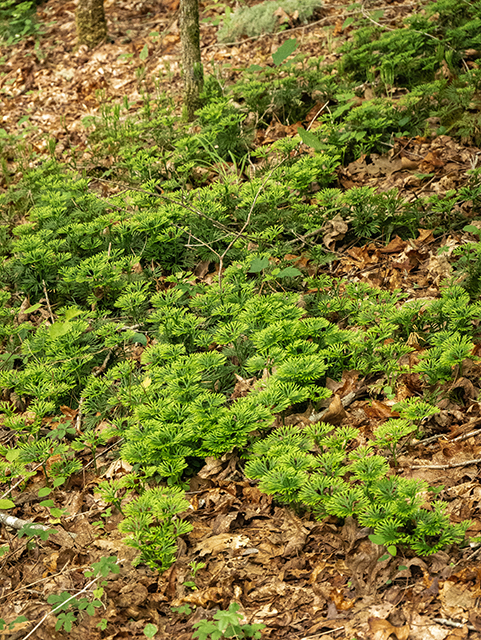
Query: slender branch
217, 224
48, 302
465, 436
322, 633
456, 625
319, 111
246, 223
32, 584
447, 466
95, 374
22, 479
17, 523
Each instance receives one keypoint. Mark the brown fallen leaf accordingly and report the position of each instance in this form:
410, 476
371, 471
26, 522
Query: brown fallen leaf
335, 413
282, 16
407, 163
221, 542
337, 596
395, 246
383, 629
202, 597
378, 409
336, 229
211, 468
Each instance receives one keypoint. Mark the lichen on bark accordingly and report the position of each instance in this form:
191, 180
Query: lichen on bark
193, 75
90, 22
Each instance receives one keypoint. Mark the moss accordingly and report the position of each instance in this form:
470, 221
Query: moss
90, 22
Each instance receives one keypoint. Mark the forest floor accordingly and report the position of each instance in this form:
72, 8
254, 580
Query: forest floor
302, 578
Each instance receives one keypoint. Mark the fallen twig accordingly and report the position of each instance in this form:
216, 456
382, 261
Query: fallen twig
18, 523
48, 302
465, 436
246, 223
447, 466
456, 625
322, 633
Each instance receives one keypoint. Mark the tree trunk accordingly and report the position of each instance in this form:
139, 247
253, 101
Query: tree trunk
193, 74
91, 23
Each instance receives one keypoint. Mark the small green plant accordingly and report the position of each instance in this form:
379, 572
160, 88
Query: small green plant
150, 630
388, 435
468, 265
227, 625
152, 525
71, 606
357, 483
17, 20
14, 625
183, 610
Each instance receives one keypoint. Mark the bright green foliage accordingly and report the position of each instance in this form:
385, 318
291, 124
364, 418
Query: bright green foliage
261, 18
315, 468
414, 409
180, 404
227, 625
413, 54
390, 433
152, 525
17, 20
118, 275
468, 266
10, 626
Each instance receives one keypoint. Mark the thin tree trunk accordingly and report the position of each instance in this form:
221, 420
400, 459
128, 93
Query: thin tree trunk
193, 74
91, 23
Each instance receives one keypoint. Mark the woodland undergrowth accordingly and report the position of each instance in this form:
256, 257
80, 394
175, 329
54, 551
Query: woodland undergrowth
103, 312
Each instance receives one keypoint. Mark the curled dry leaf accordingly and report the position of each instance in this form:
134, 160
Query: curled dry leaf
336, 229
383, 629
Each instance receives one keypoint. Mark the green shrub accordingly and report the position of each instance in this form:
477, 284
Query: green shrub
314, 467
412, 55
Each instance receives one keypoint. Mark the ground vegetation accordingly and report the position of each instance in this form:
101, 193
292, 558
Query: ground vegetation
240, 351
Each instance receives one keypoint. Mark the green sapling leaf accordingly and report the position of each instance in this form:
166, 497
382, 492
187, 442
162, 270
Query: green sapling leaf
139, 338
33, 308
59, 329
72, 313
144, 54
284, 51
310, 139
12, 454
289, 272
150, 630
376, 539
5, 503
258, 264
470, 228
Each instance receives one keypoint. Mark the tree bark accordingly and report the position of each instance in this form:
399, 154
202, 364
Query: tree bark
193, 74
90, 22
